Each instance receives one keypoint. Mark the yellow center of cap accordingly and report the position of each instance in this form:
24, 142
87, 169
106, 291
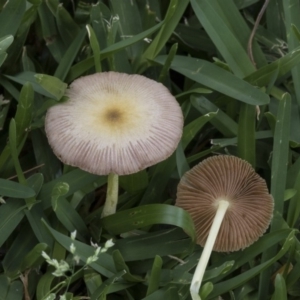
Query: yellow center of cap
113, 115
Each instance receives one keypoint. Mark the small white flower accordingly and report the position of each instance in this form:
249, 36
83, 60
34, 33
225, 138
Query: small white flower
77, 259
45, 255
109, 244
73, 235
72, 248
97, 251
61, 268
103, 250
91, 259
95, 245
2, 201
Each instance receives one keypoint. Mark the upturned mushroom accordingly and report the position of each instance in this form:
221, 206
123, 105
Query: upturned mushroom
229, 204
114, 124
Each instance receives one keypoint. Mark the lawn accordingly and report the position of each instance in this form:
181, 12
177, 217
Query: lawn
159, 89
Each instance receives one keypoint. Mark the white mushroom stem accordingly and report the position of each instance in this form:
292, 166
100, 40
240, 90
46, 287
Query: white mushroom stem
111, 202
213, 233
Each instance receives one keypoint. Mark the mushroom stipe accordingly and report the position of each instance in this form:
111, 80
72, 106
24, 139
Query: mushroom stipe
229, 204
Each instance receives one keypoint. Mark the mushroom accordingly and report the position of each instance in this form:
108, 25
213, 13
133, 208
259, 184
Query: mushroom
116, 124
229, 204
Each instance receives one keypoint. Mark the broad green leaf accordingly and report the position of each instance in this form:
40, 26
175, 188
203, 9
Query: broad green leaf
44, 285
174, 277
233, 141
160, 178
244, 256
169, 292
34, 258
11, 17
15, 291
3, 56
221, 120
165, 69
130, 24
146, 215
288, 194
10, 88
25, 77
154, 276
296, 32
101, 292
216, 78
36, 182
223, 269
264, 75
23, 119
52, 85
3, 115
44, 156
230, 13
83, 66
21, 35
294, 207
280, 155
194, 37
202, 154
246, 133
192, 91
181, 161
14, 151
24, 112
206, 289
275, 18
213, 19
27, 64
53, 6
134, 182
20, 247
295, 124
241, 279
190, 130
4, 285
95, 47
294, 275
291, 10
70, 218
50, 33
280, 292
15, 190
69, 56
76, 179
121, 265
66, 26
92, 280
35, 216
175, 11
98, 22
5, 42
11, 215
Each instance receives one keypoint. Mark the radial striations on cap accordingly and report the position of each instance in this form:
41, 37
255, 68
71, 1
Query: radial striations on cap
228, 178
115, 123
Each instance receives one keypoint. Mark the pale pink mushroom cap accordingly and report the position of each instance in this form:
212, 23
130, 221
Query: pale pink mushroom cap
228, 178
115, 123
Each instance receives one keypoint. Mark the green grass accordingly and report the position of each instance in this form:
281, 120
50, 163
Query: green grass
198, 49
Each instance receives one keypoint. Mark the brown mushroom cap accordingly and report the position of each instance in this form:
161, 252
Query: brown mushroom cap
115, 123
228, 178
